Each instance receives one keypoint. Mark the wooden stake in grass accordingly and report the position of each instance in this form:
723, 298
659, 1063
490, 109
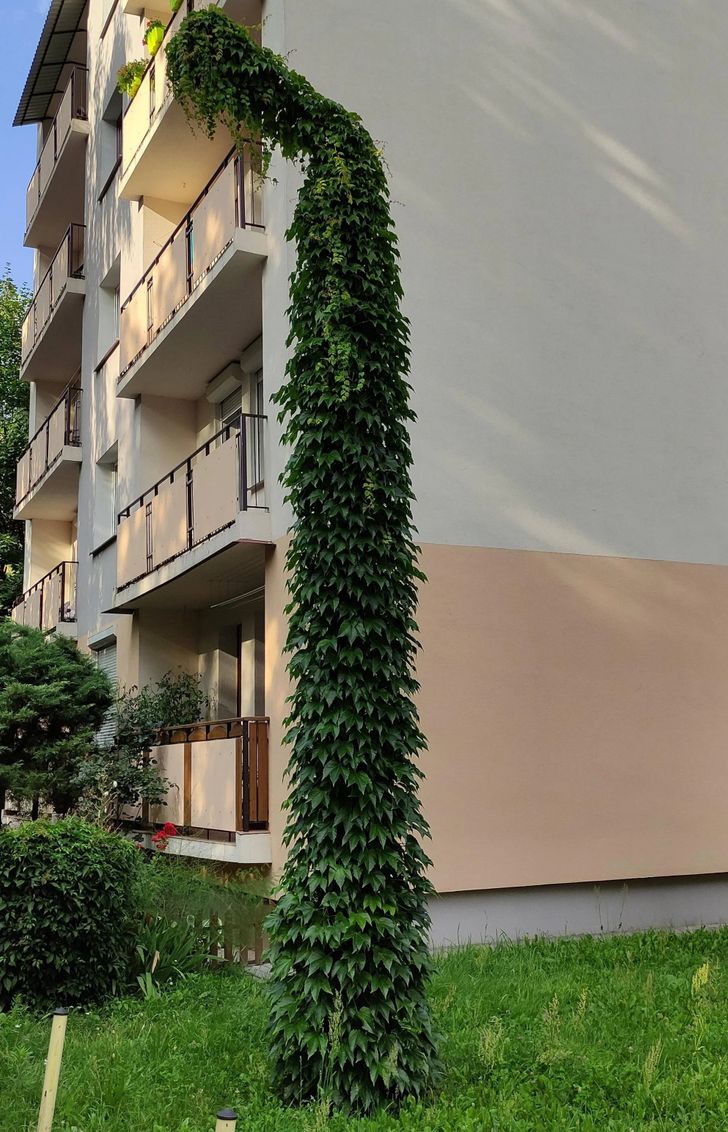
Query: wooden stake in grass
52, 1071
227, 1120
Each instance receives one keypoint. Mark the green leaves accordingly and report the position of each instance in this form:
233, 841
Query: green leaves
349, 935
67, 915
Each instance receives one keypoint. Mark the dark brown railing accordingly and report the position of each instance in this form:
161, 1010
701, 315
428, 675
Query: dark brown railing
251, 763
61, 428
51, 601
73, 106
67, 263
248, 431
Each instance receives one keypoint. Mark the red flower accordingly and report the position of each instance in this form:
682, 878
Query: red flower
169, 829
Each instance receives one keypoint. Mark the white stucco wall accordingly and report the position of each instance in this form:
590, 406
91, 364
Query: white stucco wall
559, 175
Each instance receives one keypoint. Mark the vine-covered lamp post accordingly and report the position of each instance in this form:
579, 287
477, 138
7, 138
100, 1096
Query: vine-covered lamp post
349, 935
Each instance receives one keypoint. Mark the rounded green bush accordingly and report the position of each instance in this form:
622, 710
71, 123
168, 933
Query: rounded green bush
67, 914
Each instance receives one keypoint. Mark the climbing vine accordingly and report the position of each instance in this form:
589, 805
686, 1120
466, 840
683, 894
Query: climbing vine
350, 931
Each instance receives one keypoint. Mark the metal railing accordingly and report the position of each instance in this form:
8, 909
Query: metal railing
201, 496
67, 263
231, 200
61, 428
249, 769
154, 91
51, 601
73, 106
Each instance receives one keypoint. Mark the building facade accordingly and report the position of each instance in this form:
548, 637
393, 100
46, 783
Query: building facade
559, 176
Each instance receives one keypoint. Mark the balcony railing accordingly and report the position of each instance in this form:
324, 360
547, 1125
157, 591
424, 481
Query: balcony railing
220, 775
200, 497
154, 92
61, 428
73, 106
231, 200
68, 263
51, 601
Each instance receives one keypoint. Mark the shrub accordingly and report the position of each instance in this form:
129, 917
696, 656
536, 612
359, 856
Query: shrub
67, 919
124, 773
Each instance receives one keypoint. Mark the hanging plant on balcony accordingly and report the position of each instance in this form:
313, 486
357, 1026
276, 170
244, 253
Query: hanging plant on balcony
153, 36
349, 935
175, 5
129, 77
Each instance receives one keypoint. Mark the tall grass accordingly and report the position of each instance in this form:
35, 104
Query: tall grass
627, 1033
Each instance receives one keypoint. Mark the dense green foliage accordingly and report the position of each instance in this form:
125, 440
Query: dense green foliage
192, 913
13, 436
53, 699
66, 914
349, 933
615, 1035
122, 772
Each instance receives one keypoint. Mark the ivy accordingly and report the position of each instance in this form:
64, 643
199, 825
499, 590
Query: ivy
349, 933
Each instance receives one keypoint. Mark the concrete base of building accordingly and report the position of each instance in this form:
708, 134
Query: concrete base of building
579, 909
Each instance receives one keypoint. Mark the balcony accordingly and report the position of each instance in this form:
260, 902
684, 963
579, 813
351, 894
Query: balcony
51, 603
199, 303
219, 773
47, 473
56, 189
206, 516
51, 335
161, 156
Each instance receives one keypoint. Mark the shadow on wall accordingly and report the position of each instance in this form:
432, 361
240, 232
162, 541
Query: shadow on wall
567, 221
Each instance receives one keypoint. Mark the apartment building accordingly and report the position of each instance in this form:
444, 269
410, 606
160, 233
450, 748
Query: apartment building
559, 177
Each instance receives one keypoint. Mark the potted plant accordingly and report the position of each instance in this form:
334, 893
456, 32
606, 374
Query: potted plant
129, 77
153, 36
175, 5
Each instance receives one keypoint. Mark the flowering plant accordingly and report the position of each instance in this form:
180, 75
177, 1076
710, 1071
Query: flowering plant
153, 36
160, 839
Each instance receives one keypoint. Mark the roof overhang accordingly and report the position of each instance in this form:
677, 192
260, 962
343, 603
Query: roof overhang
53, 53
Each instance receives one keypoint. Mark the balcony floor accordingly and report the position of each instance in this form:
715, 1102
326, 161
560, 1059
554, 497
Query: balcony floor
64, 193
57, 353
55, 496
216, 322
215, 572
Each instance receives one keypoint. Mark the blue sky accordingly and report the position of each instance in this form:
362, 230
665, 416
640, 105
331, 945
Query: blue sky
21, 22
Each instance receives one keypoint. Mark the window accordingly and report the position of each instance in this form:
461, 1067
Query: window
106, 497
109, 310
109, 144
106, 660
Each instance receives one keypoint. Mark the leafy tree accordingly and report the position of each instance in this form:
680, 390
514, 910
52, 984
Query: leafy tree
349, 935
53, 699
13, 436
122, 773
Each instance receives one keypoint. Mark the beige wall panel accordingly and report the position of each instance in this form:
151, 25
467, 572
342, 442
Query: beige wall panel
32, 609
213, 784
52, 596
133, 327
42, 305
170, 761
131, 547
56, 431
215, 489
213, 222
22, 476
136, 121
38, 462
168, 642
169, 519
170, 280
577, 717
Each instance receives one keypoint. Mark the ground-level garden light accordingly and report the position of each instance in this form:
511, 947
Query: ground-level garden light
52, 1070
227, 1120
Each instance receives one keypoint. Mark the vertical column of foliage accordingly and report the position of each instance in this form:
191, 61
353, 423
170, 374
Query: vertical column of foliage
349, 934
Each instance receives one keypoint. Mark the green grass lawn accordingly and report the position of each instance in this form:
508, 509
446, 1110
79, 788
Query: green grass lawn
624, 1033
